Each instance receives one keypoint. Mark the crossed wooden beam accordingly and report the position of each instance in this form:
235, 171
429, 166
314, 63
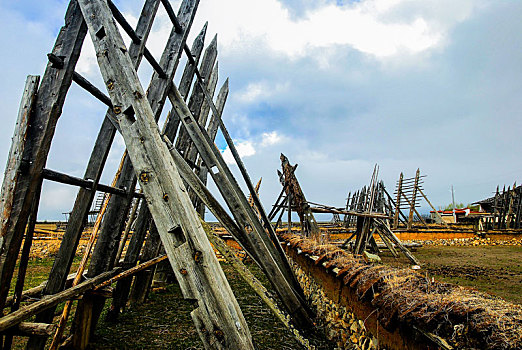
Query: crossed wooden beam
171, 177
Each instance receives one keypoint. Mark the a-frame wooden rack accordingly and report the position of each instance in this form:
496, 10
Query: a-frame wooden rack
171, 166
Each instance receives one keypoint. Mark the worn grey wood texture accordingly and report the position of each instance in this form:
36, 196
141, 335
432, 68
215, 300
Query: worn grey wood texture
218, 315
143, 280
170, 127
18, 141
15, 165
114, 220
196, 98
84, 198
271, 261
48, 107
208, 199
212, 129
103, 257
191, 152
18, 316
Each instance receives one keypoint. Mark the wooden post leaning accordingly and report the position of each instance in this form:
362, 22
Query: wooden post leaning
219, 320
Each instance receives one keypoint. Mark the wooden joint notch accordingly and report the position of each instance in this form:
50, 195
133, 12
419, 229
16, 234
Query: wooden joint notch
57, 62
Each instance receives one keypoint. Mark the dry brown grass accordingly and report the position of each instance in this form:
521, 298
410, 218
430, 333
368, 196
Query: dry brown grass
465, 317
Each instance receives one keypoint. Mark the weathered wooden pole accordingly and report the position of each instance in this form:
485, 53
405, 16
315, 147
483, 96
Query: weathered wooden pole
46, 109
212, 129
274, 264
218, 318
413, 200
398, 203
143, 222
84, 198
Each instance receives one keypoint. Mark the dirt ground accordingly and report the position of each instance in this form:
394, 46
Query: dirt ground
164, 321
496, 270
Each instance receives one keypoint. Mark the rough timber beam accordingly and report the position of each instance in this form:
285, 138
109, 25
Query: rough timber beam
218, 318
272, 262
143, 221
48, 107
308, 223
85, 196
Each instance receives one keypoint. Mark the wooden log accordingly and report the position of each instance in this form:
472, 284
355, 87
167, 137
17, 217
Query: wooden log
208, 199
181, 232
142, 222
106, 247
398, 202
191, 152
143, 280
435, 210
272, 262
386, 230
24, 261
84, 198
114, 221
257, 286
25, 312
414, 210
48, 106
26, 329
88, 184
131, 271
212, 129
172, 123
10, 241
197, 97
128, 225
121, 292
413, 201
354, 213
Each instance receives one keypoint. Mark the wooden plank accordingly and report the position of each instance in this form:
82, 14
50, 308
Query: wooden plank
212, 129
197, 96
271, 240
413, 201
24, 261
48, 106
114, 222
271, 261
84, 198
18, 316
208, 199
170, 127
181, 232
104, 253
13, 184
257, 286
172, 123
191, 152
143, 280
25, 329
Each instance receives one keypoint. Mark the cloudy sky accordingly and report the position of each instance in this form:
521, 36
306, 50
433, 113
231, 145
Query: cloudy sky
337, 86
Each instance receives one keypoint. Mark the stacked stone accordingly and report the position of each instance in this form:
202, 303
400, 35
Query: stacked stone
340, 324
470, 242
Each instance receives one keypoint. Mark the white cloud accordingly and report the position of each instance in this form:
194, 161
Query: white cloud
261, 90
368, 26
248, 148
244, 148
270, 138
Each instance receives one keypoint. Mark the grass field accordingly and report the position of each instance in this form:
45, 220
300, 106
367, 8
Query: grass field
496, 270
164, 321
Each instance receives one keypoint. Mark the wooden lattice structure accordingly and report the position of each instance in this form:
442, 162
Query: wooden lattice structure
408, 194
504, 209
170, 165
